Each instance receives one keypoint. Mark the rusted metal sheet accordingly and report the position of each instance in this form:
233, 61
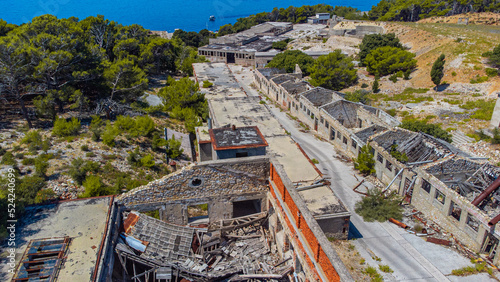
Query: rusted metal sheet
438, 241
130, 221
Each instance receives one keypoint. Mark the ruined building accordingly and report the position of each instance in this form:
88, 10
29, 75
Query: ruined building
441, 181
255, 226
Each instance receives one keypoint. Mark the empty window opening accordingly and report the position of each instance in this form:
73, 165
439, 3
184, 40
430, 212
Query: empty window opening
332, 135
244, 208
426, 186
197, 214
472, 222
380, 159
241, 154
440, 197
455, 211
344, 140
388, 165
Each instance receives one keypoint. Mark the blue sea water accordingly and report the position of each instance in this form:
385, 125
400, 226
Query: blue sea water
189, 15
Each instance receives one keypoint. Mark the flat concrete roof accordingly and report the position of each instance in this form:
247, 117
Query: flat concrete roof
247, 111
237, 137
202, 134
295, 163
322, 202
84, 221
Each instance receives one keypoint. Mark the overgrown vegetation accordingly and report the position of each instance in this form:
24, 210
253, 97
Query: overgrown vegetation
378, 206
437, 71
61, 63
478, 267
333, 71
389, 60
483, 108
365, 162
288, 59
422, 126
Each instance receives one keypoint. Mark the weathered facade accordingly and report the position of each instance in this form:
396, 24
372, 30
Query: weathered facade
446, 190
324, 111
254, 195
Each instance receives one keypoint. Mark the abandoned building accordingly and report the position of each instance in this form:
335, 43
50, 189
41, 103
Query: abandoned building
240, 48
62, 241
463, 196
325, 111
319, 18
398, 151
255, 225
356, 29
252, 47
230, 142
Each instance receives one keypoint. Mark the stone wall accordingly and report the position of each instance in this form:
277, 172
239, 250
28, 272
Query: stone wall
206, 180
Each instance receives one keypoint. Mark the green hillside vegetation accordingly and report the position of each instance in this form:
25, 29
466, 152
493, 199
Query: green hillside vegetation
61, 63
414, 10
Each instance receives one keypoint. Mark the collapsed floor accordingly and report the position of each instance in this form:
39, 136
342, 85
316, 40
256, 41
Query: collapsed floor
230, 250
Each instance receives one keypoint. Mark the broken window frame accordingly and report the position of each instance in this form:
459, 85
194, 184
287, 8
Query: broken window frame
332, 134
470, 219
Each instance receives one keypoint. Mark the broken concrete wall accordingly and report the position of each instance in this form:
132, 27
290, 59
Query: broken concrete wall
386, 166
221, 178
319, 259
205, 152
218, 207
432, 204
338, 135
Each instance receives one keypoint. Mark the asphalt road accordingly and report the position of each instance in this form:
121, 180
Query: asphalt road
410, 257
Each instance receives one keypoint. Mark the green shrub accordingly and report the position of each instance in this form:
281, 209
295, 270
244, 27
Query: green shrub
28, 188
34, 141
2, 151
375, 86
358, 96
63, 128
148, 161
41, 166
391, 112
365, 162
393, 78
79, 168
94, 187
401, 157
315, 161
134, 157
109, 135
378, 206
484, 108
28, 161
45, 195
385, 268
364, 85
144, 126
19, 156
8, 159
207, 84
422, 126
453, 73
491, 72
90, 155
85, 148
174, 149
479, 79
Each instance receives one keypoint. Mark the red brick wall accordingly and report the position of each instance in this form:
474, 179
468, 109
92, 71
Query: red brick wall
319, 255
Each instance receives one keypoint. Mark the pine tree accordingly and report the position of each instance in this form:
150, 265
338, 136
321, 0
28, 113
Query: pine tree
375, 86
365, 162
437, 71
